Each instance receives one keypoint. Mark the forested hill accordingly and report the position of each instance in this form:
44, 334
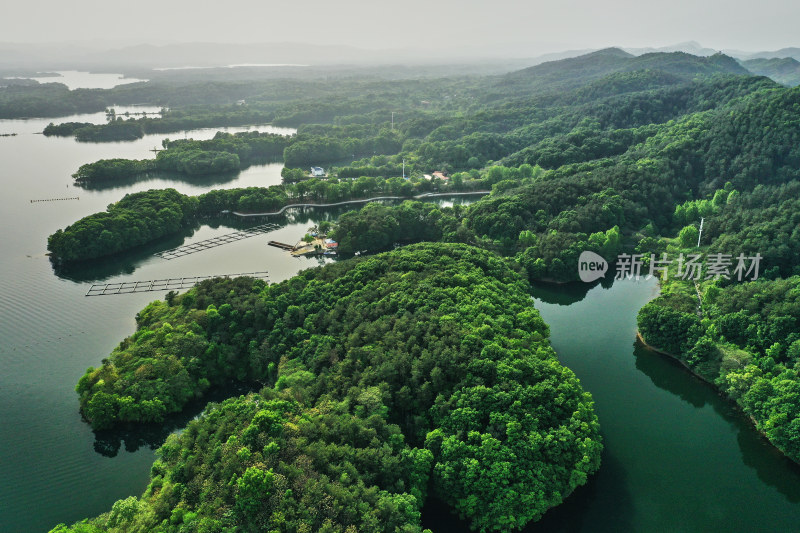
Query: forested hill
577, 71
783, 70
752, 141
606, 183
474, 127
425, 367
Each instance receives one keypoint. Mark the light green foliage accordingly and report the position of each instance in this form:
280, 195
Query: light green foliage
691, 211
254, 486
688, 235
136, 219
748, 345
527, 238
375, 357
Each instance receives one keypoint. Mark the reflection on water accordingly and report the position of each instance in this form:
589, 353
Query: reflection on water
575, 513
156, 179
50, 472
677, 459
567, 293
151, 436
756, 452
152, 180
104, 268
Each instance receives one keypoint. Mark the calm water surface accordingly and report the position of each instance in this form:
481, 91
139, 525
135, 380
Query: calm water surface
53, 467
76, 79
50, 469
677, 457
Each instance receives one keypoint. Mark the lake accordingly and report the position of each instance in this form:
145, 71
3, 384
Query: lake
53, 468
77, 79
677, 457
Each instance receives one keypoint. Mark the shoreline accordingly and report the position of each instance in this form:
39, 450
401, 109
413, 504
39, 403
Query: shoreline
719, 392
680, 361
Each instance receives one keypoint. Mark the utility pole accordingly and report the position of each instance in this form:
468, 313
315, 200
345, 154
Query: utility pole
701, 232
392, 120
404, 169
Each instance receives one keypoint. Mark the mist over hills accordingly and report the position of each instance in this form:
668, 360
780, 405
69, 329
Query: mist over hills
793, 52
690, 47
573, 72
195, 60
209, 54
783, 70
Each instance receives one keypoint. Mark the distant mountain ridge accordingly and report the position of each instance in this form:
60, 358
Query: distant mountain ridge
690, 47
783, 70
793, 52
576, 71
140, 58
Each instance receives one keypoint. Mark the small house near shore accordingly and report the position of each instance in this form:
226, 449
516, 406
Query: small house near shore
317, 172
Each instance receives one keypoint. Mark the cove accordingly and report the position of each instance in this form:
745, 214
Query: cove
677, 456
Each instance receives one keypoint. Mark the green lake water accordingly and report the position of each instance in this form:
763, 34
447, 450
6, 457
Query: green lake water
677, 456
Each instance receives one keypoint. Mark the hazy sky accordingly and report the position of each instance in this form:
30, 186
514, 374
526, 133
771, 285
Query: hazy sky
555, 24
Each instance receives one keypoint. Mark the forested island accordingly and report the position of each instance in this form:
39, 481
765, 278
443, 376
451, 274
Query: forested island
430, 358
224, 153
426, 368
121, 128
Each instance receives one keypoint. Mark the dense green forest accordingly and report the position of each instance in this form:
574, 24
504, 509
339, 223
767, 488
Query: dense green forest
547, 219
783, 70
624, 159
136, 219
746, 337
48, 100
746, 342
430, 358
426, 367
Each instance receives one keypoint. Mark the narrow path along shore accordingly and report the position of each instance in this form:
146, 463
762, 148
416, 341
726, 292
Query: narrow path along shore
418, 197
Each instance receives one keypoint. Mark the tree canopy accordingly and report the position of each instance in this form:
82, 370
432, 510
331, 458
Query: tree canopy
428, 362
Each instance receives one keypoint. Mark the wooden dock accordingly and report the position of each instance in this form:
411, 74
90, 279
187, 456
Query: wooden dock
213, 242
171, 284
282, 245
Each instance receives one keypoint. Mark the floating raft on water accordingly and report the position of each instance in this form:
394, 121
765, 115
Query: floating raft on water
213, 242
281, 245
56, 199
171, 284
